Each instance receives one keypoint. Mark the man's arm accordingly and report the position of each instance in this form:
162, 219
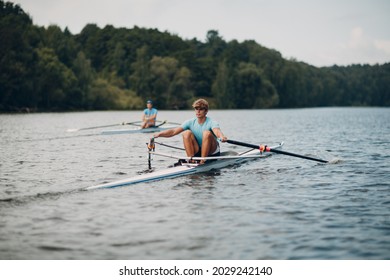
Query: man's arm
169, 133
152, 117
218, 132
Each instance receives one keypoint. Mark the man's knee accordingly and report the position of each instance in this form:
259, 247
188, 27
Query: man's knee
207, 134
187, 134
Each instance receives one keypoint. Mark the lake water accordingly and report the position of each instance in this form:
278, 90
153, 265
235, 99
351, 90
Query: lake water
280, 207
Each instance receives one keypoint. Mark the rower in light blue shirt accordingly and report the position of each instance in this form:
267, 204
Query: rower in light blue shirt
150, 115
197, 128
200, 134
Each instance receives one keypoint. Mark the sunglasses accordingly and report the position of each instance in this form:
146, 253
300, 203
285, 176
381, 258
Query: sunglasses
199, 108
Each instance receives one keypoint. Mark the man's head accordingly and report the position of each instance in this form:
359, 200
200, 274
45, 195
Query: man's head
149, 104
201, 108
201, 104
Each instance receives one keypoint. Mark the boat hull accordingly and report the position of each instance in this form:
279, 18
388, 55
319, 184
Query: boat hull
181, 170
135, 130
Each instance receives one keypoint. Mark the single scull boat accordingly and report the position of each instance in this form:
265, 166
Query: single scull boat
137, 130
184, 168
159, 127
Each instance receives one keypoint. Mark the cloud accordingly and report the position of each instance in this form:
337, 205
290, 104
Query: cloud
356, 39
360, 48
383, 45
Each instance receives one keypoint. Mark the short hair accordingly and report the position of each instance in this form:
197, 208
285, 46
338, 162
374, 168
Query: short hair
201, 103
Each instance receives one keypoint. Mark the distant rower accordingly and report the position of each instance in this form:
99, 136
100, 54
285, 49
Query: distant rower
149, 116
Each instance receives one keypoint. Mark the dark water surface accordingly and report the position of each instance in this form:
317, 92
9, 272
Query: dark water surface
280, 207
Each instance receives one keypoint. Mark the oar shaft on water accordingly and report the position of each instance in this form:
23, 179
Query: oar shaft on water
268, 149
103, 126
100, 126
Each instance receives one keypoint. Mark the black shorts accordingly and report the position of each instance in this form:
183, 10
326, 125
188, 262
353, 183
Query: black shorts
216, 153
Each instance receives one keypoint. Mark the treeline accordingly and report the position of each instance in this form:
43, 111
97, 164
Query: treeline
47, 69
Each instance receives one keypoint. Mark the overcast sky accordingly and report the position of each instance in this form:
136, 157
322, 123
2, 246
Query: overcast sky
318, 32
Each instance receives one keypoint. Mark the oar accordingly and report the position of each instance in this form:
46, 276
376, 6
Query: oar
175, 123
164, 122
268, 149
204, 158
102, 126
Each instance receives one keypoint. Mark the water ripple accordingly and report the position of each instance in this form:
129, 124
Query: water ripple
281, 207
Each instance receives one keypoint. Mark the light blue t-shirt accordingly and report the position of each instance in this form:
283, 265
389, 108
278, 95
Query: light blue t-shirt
149, 113
197, 129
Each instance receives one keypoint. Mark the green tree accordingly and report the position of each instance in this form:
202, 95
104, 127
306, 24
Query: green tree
139, 80
223, 87
289, 85
119, 68
85, 76
181, 92
62, 43
105, 96
247, 85
215, 44
17, 59
168, 80
268, 96
54, 80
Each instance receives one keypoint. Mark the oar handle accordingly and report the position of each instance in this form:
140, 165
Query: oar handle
268, 149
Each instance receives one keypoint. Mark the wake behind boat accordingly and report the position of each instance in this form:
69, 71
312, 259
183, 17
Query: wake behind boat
183, 167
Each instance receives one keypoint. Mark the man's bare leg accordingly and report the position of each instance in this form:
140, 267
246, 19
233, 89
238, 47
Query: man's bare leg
209, 144
190, 143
